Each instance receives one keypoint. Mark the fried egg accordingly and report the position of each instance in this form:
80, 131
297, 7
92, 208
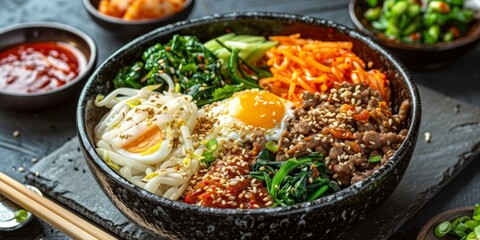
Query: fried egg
239, 116
145, 129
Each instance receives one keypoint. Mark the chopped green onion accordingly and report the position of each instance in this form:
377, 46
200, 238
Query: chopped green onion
21, 215
212, 145
477, 231
375, 159
442, 229
208, 158
471, 236
271, 146
476, 211
472, 224
461, 227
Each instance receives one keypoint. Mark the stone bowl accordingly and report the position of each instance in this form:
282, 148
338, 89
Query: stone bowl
327, 217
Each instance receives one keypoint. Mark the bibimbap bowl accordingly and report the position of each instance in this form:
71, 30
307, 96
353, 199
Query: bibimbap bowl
327, 217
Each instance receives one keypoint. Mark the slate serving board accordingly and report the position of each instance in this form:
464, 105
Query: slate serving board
452, 124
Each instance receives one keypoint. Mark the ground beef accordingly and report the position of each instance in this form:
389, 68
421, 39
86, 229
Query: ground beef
348, 125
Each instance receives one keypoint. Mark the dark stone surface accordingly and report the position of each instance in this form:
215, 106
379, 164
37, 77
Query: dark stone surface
64, 175
43, 131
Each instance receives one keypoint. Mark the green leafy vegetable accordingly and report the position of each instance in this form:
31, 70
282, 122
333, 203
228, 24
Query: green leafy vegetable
295, 180
208, 72
194, 69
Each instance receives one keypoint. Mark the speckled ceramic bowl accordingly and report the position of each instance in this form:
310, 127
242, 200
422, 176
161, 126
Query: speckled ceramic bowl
327, 217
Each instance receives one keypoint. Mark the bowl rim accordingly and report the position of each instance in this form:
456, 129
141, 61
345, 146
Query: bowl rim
63, 27
94, 11
467, 39
296, 208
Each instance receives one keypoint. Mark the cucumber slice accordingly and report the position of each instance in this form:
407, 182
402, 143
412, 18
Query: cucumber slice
212, 44
247, 38
260, 50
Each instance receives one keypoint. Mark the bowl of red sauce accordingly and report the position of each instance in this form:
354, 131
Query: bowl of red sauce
42, 64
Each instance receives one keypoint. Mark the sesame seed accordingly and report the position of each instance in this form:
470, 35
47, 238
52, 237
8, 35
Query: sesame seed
16, 133
428, 137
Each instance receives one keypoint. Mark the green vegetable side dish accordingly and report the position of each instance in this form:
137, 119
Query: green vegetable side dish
295, 180
208, 72
465, 228
420, 22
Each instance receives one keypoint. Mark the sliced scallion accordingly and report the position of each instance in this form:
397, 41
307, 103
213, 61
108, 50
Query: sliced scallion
271, 146
375, 159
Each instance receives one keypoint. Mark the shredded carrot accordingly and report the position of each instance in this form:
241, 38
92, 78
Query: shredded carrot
300, 65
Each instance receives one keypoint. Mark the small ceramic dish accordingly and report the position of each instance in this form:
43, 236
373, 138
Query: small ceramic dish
135, 27
417, 56
40, 32
426, 233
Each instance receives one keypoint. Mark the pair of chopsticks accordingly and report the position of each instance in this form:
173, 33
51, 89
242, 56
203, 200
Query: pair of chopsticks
61, 218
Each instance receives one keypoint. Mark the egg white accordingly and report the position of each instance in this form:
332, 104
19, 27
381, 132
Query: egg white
229, 127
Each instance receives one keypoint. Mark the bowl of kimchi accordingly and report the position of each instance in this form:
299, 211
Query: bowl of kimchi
133, 18
171, 179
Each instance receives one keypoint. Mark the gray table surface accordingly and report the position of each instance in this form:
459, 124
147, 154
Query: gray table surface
460, 80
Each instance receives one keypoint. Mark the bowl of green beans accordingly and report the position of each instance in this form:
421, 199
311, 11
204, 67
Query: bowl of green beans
460, 223
422, 33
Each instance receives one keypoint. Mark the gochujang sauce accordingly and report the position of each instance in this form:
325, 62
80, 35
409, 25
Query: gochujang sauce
38, 67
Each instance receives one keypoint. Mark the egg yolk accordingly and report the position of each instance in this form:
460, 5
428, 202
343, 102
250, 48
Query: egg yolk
147, 143
259, 108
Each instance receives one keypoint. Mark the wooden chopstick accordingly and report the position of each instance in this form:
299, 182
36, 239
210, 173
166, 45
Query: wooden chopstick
61, 218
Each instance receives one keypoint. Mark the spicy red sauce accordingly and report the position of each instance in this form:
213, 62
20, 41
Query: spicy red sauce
241, 191
39, 66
